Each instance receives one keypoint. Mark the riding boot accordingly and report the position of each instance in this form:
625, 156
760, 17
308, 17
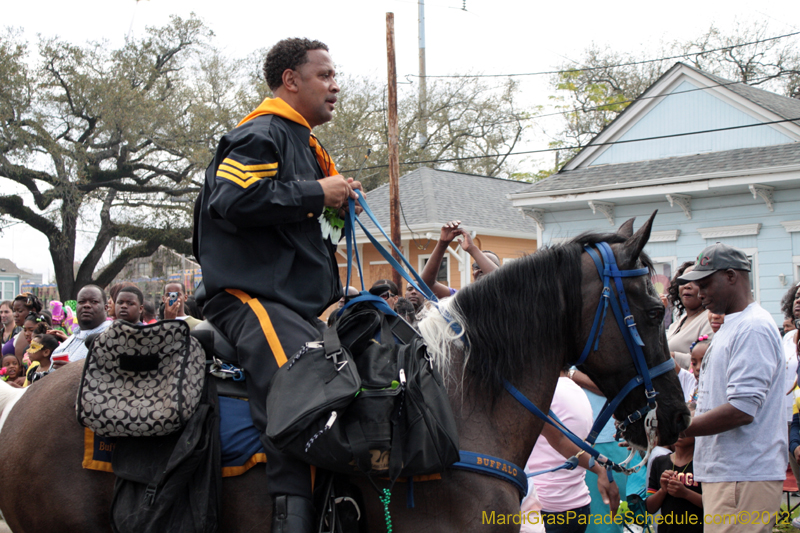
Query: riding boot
292, 514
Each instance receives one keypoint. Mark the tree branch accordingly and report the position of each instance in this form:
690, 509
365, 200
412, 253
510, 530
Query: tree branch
174, 239
13, 206
104, 237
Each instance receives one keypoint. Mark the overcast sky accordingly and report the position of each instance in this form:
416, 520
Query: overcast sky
491, 37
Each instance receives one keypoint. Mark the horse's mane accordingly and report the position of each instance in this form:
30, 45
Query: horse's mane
517, 321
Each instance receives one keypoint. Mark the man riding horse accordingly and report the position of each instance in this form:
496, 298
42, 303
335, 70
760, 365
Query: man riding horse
269, 270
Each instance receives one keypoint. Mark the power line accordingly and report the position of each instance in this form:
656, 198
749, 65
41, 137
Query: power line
589, 69
527, 152
595, 108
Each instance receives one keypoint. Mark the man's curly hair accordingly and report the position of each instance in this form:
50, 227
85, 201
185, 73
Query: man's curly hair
287, 54
673, 292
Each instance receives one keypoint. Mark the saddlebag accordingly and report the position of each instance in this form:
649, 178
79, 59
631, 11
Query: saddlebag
141, 381
395, 420
171, 484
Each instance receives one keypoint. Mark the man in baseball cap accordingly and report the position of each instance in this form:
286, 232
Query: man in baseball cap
717, 257
739, 413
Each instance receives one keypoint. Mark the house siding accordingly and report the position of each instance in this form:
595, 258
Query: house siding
682, 112
774, 247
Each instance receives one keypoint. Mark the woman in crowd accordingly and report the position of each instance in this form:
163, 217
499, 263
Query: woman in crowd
787, 307
22, 306
790, 302
693, 321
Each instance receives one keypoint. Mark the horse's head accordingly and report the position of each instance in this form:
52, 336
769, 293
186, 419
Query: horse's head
612, 366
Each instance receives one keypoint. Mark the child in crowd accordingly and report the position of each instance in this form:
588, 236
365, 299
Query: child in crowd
673, 490
42, 346
13, 372
59, 317
35, 325
697, 352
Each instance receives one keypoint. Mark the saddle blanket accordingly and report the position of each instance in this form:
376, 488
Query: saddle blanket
241, 449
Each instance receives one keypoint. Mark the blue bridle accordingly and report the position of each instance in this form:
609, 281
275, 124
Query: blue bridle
611, 275
607, 268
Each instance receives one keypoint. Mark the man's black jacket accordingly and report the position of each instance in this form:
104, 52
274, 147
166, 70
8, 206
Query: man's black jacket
256, 219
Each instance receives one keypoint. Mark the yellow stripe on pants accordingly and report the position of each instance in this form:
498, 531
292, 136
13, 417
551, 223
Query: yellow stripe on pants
266, 324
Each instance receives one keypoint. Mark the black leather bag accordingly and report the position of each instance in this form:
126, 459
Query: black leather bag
399, 424
311, 388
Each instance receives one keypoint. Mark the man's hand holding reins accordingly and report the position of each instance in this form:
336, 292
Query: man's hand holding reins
338, 190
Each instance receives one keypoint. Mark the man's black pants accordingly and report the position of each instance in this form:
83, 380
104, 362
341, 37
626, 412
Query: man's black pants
265, 334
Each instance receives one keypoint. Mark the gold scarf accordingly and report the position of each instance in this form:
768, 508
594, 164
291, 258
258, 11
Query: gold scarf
276, 106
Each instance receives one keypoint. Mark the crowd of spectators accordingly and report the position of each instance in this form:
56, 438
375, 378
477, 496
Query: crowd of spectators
37, 341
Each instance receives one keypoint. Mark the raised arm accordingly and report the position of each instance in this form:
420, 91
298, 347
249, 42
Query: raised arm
484, 263
431, 269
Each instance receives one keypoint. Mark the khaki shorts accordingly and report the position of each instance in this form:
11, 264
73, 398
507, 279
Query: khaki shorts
750, 506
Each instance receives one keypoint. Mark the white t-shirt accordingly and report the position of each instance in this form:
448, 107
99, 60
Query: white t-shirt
744, 366
75, 347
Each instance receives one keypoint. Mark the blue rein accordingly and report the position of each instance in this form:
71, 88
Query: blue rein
607, 268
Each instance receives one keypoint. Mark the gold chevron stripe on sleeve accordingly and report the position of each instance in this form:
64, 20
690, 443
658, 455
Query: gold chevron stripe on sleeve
234, 179
246, 175
246, 168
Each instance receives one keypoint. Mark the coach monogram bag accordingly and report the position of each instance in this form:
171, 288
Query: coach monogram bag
141, 381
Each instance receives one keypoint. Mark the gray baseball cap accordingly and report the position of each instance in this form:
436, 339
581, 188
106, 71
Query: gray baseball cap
717, 257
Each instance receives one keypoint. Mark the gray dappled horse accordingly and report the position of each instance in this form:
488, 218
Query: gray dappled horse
523, 323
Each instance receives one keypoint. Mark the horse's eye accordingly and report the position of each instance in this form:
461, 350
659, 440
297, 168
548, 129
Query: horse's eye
655, 314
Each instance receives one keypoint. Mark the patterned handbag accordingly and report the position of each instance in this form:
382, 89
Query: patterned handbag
141, 381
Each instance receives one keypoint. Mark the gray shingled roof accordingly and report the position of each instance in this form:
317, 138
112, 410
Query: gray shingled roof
7, 266
433, 197
675, 167
780, 105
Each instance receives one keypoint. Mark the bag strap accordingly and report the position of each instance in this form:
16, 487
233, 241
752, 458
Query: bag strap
333, 352
398, 452
358, 445
330, 340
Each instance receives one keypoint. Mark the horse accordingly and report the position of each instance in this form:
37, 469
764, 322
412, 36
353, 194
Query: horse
523, 323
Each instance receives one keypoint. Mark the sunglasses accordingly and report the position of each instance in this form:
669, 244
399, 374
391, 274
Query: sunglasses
475, 266
386, 295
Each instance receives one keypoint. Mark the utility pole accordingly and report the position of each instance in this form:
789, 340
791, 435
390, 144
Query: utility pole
423, 89
394, 152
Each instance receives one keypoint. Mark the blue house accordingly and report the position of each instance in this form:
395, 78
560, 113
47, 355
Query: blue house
12, 278
719, 160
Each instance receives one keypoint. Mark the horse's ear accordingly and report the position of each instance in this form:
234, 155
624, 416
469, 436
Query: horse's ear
635, 244
626, 230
